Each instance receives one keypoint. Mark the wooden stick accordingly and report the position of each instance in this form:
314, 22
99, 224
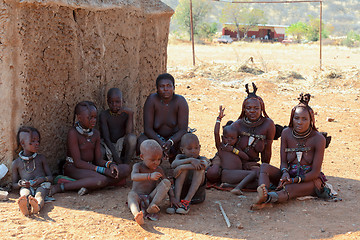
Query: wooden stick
224, 214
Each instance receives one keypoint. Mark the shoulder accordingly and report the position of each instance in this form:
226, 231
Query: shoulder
16, 162
96, 132
179, 98
152, 97
269, 122
319, 138
41, 157
104, 113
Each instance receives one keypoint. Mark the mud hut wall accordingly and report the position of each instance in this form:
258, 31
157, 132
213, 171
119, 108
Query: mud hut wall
63, 55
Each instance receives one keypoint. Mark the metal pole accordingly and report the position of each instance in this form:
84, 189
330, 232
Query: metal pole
192, 32
320, 34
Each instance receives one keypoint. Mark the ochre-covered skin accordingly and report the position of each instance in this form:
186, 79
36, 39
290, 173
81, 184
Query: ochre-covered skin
54, 54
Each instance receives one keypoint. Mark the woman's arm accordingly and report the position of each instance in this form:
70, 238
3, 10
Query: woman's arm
317, 160
270, 133
182, 118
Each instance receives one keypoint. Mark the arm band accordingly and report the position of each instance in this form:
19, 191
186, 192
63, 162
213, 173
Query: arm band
284, 170
236, 151
108, 164
172, 142
100, 169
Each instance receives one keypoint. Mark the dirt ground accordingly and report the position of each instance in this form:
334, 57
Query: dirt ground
219, 78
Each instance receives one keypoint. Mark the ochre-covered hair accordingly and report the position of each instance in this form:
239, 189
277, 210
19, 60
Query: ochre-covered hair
25, 129
304, 103
252, 95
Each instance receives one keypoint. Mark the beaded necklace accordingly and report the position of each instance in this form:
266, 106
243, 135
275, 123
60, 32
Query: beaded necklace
26, 160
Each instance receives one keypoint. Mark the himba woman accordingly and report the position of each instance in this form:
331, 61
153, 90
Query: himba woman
302, 153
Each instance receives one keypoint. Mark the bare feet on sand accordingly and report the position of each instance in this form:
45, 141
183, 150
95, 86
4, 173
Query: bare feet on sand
262, 194
34, 204
261, 198
153, 208
236, 191
139, 218
23, 205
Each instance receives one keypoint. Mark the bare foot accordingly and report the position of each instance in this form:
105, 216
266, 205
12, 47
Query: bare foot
34, 204
82, 191
236, 191
153, 208
139, 218
262, 194
23, 205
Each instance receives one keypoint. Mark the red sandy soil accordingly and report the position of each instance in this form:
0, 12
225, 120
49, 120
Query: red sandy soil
216, 80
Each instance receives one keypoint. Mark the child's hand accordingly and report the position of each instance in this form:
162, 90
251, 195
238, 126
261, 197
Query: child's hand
155, 176
196, 163
24, 183
221, 112
203, 163
226, 147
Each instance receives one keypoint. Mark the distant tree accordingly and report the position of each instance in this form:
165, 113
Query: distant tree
242, 19
313, 29
352, 39
207, 30
200, 9
298, 30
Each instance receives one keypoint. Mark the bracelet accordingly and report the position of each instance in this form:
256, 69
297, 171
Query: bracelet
284, 170
172, 142
292, 180
218, 118
218, 121
299, 180
236, 151
108, 163
149, 176
100, 169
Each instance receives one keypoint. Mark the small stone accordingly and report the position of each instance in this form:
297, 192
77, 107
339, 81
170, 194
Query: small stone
322, 230
329, 119
188, 87
239, 226
4, 195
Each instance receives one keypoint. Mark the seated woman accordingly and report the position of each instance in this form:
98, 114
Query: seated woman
302, 153
256, 131
166, 117
84, 162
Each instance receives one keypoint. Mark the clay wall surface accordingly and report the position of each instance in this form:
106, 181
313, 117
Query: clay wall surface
55, 54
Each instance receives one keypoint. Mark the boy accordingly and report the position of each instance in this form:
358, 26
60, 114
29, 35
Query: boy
30, 172
149, 184
189, 175
228, 165
116, 125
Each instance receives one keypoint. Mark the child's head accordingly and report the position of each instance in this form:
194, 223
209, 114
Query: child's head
86, 113
229, 136
190, 145
114, 99
28, 138
151, 153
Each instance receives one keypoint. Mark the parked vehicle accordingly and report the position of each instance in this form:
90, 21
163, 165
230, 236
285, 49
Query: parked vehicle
224, 39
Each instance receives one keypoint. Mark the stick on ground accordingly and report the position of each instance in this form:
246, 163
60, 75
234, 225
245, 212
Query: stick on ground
224, 214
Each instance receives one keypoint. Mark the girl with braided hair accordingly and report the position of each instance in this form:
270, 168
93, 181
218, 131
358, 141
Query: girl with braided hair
302, 153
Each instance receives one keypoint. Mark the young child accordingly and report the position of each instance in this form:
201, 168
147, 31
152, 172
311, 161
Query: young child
116, 125
149, 183
189, 175
229, 168
30, 172
84, 161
